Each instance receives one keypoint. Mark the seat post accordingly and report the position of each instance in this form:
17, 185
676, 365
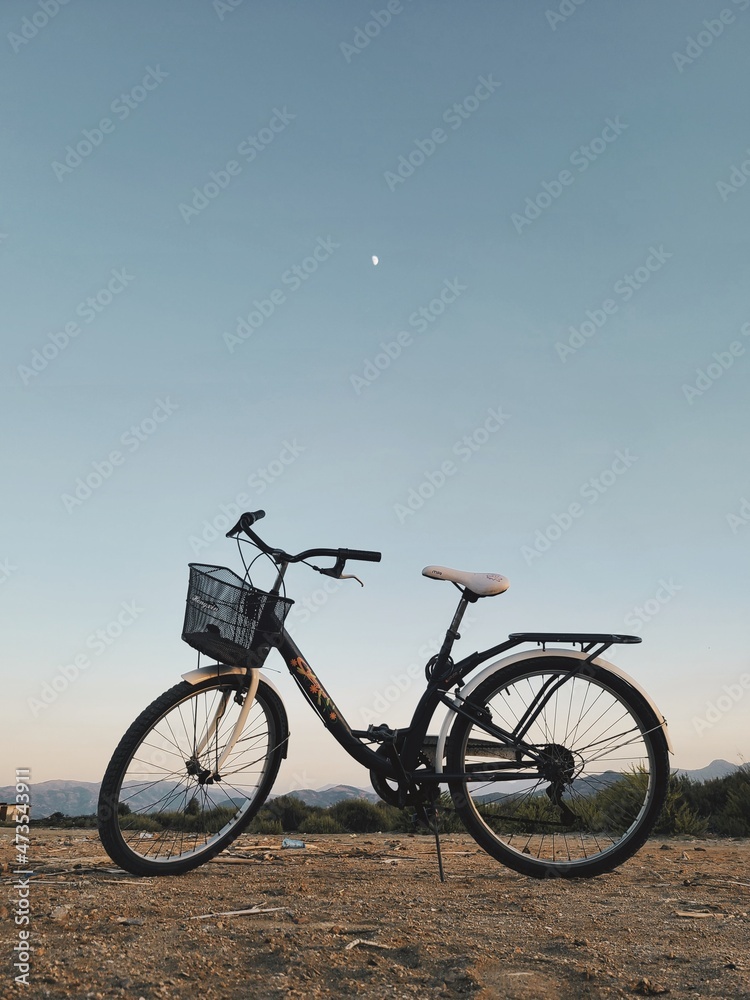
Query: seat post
452, 632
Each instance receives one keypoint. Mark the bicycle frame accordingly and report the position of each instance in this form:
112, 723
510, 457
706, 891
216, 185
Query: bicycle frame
444, 675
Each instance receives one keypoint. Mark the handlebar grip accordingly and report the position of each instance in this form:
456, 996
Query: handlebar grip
246, 521
363, 555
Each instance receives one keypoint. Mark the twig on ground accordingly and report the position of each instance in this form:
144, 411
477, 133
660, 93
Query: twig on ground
239, 913
365, 943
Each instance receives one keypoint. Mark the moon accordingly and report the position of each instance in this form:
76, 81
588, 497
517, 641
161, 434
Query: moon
374, 260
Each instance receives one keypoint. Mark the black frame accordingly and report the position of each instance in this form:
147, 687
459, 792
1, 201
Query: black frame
444, 674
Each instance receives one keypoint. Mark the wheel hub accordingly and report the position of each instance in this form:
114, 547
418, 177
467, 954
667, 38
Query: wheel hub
203, 774
557, 764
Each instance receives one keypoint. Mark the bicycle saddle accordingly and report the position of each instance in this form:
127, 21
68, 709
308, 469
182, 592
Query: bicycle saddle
481, 584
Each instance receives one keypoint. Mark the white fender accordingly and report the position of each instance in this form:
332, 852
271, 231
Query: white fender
534, 654
203, 673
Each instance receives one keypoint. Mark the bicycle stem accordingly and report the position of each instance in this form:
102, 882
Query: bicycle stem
281, 570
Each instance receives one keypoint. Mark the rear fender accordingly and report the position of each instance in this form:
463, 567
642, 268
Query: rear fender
535, 654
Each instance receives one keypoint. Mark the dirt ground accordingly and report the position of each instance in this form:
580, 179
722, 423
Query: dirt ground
365, 916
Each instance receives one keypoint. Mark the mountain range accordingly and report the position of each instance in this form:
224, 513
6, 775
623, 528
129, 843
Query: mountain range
79, 798
332, 794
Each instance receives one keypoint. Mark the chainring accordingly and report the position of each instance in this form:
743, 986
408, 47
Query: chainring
397, 796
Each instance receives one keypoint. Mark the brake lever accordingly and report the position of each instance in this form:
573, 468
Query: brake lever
336, 571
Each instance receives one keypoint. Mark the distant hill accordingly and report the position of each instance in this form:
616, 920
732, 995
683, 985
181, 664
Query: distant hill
79, 798
334, 793
716, 769
72, 798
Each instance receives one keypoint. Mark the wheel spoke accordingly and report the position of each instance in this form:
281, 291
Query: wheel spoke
596, 770
165, 805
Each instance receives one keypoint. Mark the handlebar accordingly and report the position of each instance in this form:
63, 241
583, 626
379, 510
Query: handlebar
363, 555
246, 520
244, 524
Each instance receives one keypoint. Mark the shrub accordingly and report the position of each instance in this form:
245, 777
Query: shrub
288, 810
734, 819
141, 822
361, 816
265, 824
192, 820
448, 819
320, 822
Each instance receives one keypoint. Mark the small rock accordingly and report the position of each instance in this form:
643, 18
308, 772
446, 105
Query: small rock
648, 988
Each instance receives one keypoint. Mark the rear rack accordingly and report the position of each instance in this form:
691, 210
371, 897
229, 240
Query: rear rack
592, 643
587, 640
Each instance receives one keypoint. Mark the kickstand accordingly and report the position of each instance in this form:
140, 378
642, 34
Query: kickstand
436, 831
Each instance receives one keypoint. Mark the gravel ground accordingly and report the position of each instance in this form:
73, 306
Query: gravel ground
365, 916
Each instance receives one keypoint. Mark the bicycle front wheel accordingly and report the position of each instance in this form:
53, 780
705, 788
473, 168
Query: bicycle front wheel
587, 772
162, 808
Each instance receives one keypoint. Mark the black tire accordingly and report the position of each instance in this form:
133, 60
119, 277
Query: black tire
157, 815
605, 763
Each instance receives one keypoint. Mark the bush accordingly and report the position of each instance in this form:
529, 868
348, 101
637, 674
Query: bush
320, 822
192, 820
679, 817
63, 822
361, 816
141, 822
723, 804
734, 819
265, 825
288, 810
448, 819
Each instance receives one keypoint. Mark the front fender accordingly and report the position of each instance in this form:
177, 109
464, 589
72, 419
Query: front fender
534, 654
222, 670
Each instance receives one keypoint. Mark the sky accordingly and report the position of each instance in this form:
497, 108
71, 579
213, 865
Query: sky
545, 374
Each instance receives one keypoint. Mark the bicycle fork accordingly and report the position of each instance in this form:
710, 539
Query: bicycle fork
213, 728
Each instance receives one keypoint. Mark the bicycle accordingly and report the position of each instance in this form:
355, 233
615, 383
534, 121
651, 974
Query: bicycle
555, 760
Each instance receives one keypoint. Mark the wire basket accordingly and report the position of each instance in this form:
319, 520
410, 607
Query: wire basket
228, 619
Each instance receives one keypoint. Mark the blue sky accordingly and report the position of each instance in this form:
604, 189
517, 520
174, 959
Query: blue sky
172, 169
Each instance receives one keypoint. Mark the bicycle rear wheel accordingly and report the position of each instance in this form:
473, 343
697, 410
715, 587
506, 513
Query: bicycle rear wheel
161, 811
593, 768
